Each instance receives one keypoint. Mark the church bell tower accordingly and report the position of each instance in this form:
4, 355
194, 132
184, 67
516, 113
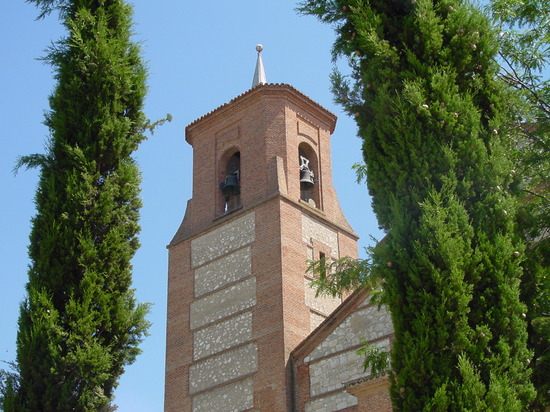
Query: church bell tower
263, 204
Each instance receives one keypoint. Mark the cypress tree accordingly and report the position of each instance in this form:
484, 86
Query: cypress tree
80, 323
434, 118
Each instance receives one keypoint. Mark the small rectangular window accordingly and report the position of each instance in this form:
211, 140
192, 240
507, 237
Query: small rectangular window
322, 261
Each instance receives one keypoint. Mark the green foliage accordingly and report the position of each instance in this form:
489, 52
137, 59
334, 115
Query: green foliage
80, 324
374, 358
536, 294
436, 125
335, 277
524, 28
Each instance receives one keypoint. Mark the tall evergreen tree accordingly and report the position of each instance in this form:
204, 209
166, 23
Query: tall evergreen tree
524, 55
434, 121
80, 323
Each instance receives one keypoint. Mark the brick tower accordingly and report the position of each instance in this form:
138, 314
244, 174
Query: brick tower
263, 203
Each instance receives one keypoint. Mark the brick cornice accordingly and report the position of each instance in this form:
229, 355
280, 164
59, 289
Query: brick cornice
304, 207
324, 117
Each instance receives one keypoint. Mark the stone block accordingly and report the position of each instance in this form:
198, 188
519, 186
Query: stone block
222, 336
220, 241
369, 323
333, 403
328, 374
223, 271
223, 368
234, 397
223, 303
323, 303
313, 229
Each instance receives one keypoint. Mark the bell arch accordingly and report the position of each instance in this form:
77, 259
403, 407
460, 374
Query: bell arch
229, 193
308, 164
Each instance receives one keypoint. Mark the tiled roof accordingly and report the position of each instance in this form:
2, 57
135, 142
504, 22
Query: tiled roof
257, 89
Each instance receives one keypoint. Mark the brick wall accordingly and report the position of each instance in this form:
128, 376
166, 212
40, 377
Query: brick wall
238, 300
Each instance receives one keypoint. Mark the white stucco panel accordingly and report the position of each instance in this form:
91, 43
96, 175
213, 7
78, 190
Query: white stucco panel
333, 403
223, 303
234, 397
223, 335
329, 374
323, 303
223, 271
313, 229
369, 323
223, 368
315, 320
225, 239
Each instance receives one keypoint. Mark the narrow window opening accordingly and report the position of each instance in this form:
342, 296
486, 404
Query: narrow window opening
307, 179
309, 182
231, 184
323, 263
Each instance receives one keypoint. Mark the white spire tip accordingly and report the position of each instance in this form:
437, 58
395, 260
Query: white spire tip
259, 73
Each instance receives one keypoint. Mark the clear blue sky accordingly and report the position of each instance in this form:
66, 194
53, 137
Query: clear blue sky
200, 56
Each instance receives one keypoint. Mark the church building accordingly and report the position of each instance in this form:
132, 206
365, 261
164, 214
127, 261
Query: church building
245, 331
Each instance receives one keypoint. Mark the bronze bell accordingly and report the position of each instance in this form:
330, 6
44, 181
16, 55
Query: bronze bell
306, 179
230, 186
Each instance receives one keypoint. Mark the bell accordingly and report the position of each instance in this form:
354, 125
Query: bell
306, 179
230, 186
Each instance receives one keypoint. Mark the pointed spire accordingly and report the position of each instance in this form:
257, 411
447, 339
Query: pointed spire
259, 73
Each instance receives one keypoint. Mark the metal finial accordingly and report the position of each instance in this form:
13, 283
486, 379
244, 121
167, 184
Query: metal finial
259, 73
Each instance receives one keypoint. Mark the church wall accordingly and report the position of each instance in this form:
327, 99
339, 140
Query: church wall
233, 397
223, 303
222, 368
312, 229
335, 402
222, 240
319, 239
223, 335
224, 286
328, 374
270, 386
221, 272
211, 354
369, 323
322, 305
329, 361
179, 342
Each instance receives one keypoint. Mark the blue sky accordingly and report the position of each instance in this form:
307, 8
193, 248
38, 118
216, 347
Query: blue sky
200, 55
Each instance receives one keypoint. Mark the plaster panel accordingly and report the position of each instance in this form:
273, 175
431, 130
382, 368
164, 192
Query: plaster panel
234, 397
223, 303
226, 270
312, 229
334, 402
322, 303
222, 240
223, 368
369, 323
315, 320
223, 335
329, 373
310, 253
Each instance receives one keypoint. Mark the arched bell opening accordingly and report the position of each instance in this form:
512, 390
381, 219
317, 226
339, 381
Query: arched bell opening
309, 180
230, 185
